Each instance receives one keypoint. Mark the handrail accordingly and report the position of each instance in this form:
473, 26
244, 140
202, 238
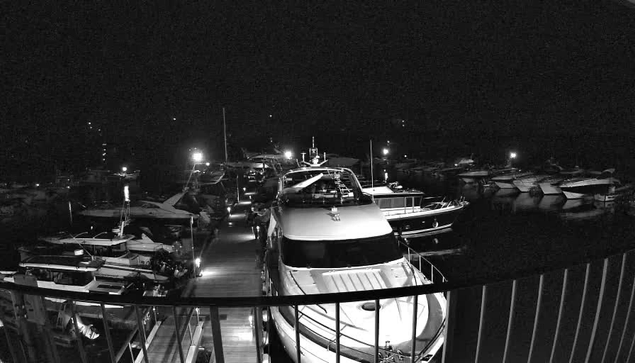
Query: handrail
433, 268
251, 301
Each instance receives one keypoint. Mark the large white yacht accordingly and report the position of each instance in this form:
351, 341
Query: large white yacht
327, 236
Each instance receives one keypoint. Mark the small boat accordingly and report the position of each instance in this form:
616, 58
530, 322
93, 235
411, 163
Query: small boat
506, 181
581, 187
145, 209
615, 193
550, 185
411, 214
325, 236
528, 182
67, 273
474, 176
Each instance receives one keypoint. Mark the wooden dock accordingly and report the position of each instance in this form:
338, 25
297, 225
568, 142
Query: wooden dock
229, 267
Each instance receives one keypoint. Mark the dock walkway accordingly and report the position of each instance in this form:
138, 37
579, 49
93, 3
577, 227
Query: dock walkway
230, 267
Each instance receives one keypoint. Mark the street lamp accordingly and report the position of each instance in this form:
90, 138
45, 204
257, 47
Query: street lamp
385, 151
124, 169
197, 158
288, 154
512, 155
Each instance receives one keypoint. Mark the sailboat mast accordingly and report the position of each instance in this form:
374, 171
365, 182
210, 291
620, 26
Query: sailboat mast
370, 157
225, 133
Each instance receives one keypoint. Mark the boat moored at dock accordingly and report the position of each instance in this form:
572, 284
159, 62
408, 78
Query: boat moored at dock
411, 214
327, 236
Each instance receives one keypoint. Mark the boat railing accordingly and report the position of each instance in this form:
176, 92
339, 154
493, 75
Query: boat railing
423, 264
575, 311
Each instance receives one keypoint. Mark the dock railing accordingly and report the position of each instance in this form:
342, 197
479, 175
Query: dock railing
581, 312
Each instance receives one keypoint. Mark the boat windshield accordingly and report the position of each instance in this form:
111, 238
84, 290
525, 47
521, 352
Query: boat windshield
340, 253
320, 186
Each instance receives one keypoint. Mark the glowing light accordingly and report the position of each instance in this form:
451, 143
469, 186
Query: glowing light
385, 151
124, 169
37, 185
206, 164
197, 262
512, 155
126, 193
197, 156
288, 154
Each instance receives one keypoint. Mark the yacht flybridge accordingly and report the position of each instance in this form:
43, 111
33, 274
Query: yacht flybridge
327, 236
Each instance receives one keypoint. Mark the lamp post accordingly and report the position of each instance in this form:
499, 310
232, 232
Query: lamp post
197, 158
512, 156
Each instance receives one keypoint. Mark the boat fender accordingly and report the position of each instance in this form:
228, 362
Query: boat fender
435, 224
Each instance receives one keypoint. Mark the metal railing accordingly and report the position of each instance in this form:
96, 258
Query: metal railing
580, 313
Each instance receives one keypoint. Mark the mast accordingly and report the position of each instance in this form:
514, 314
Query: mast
370, 157
225, 133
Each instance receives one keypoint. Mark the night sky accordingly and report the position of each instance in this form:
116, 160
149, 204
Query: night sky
551, 78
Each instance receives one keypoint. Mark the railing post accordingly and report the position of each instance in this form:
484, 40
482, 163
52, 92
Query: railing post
178, 334
598, 310
415, 303
111, 349
216, 335
628, 317
78, 335
510, 319
536, 316
563, 294
376, 330
297, 334
617, 301
142, 333
450, 304
577, 330
257, 332
481, 322
337, 332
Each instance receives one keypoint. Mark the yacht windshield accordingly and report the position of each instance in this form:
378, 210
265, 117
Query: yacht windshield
340, 253
320, 186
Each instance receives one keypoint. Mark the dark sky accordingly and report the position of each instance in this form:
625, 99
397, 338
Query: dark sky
520, 69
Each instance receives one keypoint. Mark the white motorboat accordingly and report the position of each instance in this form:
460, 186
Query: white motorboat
67, 273
550, 185
474, 176
145, 209
146, 262
327, 236
615, 193
581, 187
528, 182
411, 214
506, 181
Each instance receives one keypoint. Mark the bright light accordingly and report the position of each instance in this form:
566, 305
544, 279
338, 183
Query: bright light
512, 155
197, 156
37, 185
126, 193
206, 164
124, 169
197, 262
288, 154
385, 151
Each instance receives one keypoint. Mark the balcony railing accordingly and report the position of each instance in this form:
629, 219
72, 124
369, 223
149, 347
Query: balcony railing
580, 313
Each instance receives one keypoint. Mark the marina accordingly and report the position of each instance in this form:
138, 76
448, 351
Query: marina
318, 183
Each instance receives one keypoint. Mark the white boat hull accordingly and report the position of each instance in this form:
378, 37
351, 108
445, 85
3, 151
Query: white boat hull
549, 189
505, 185
572, 195
314, 352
